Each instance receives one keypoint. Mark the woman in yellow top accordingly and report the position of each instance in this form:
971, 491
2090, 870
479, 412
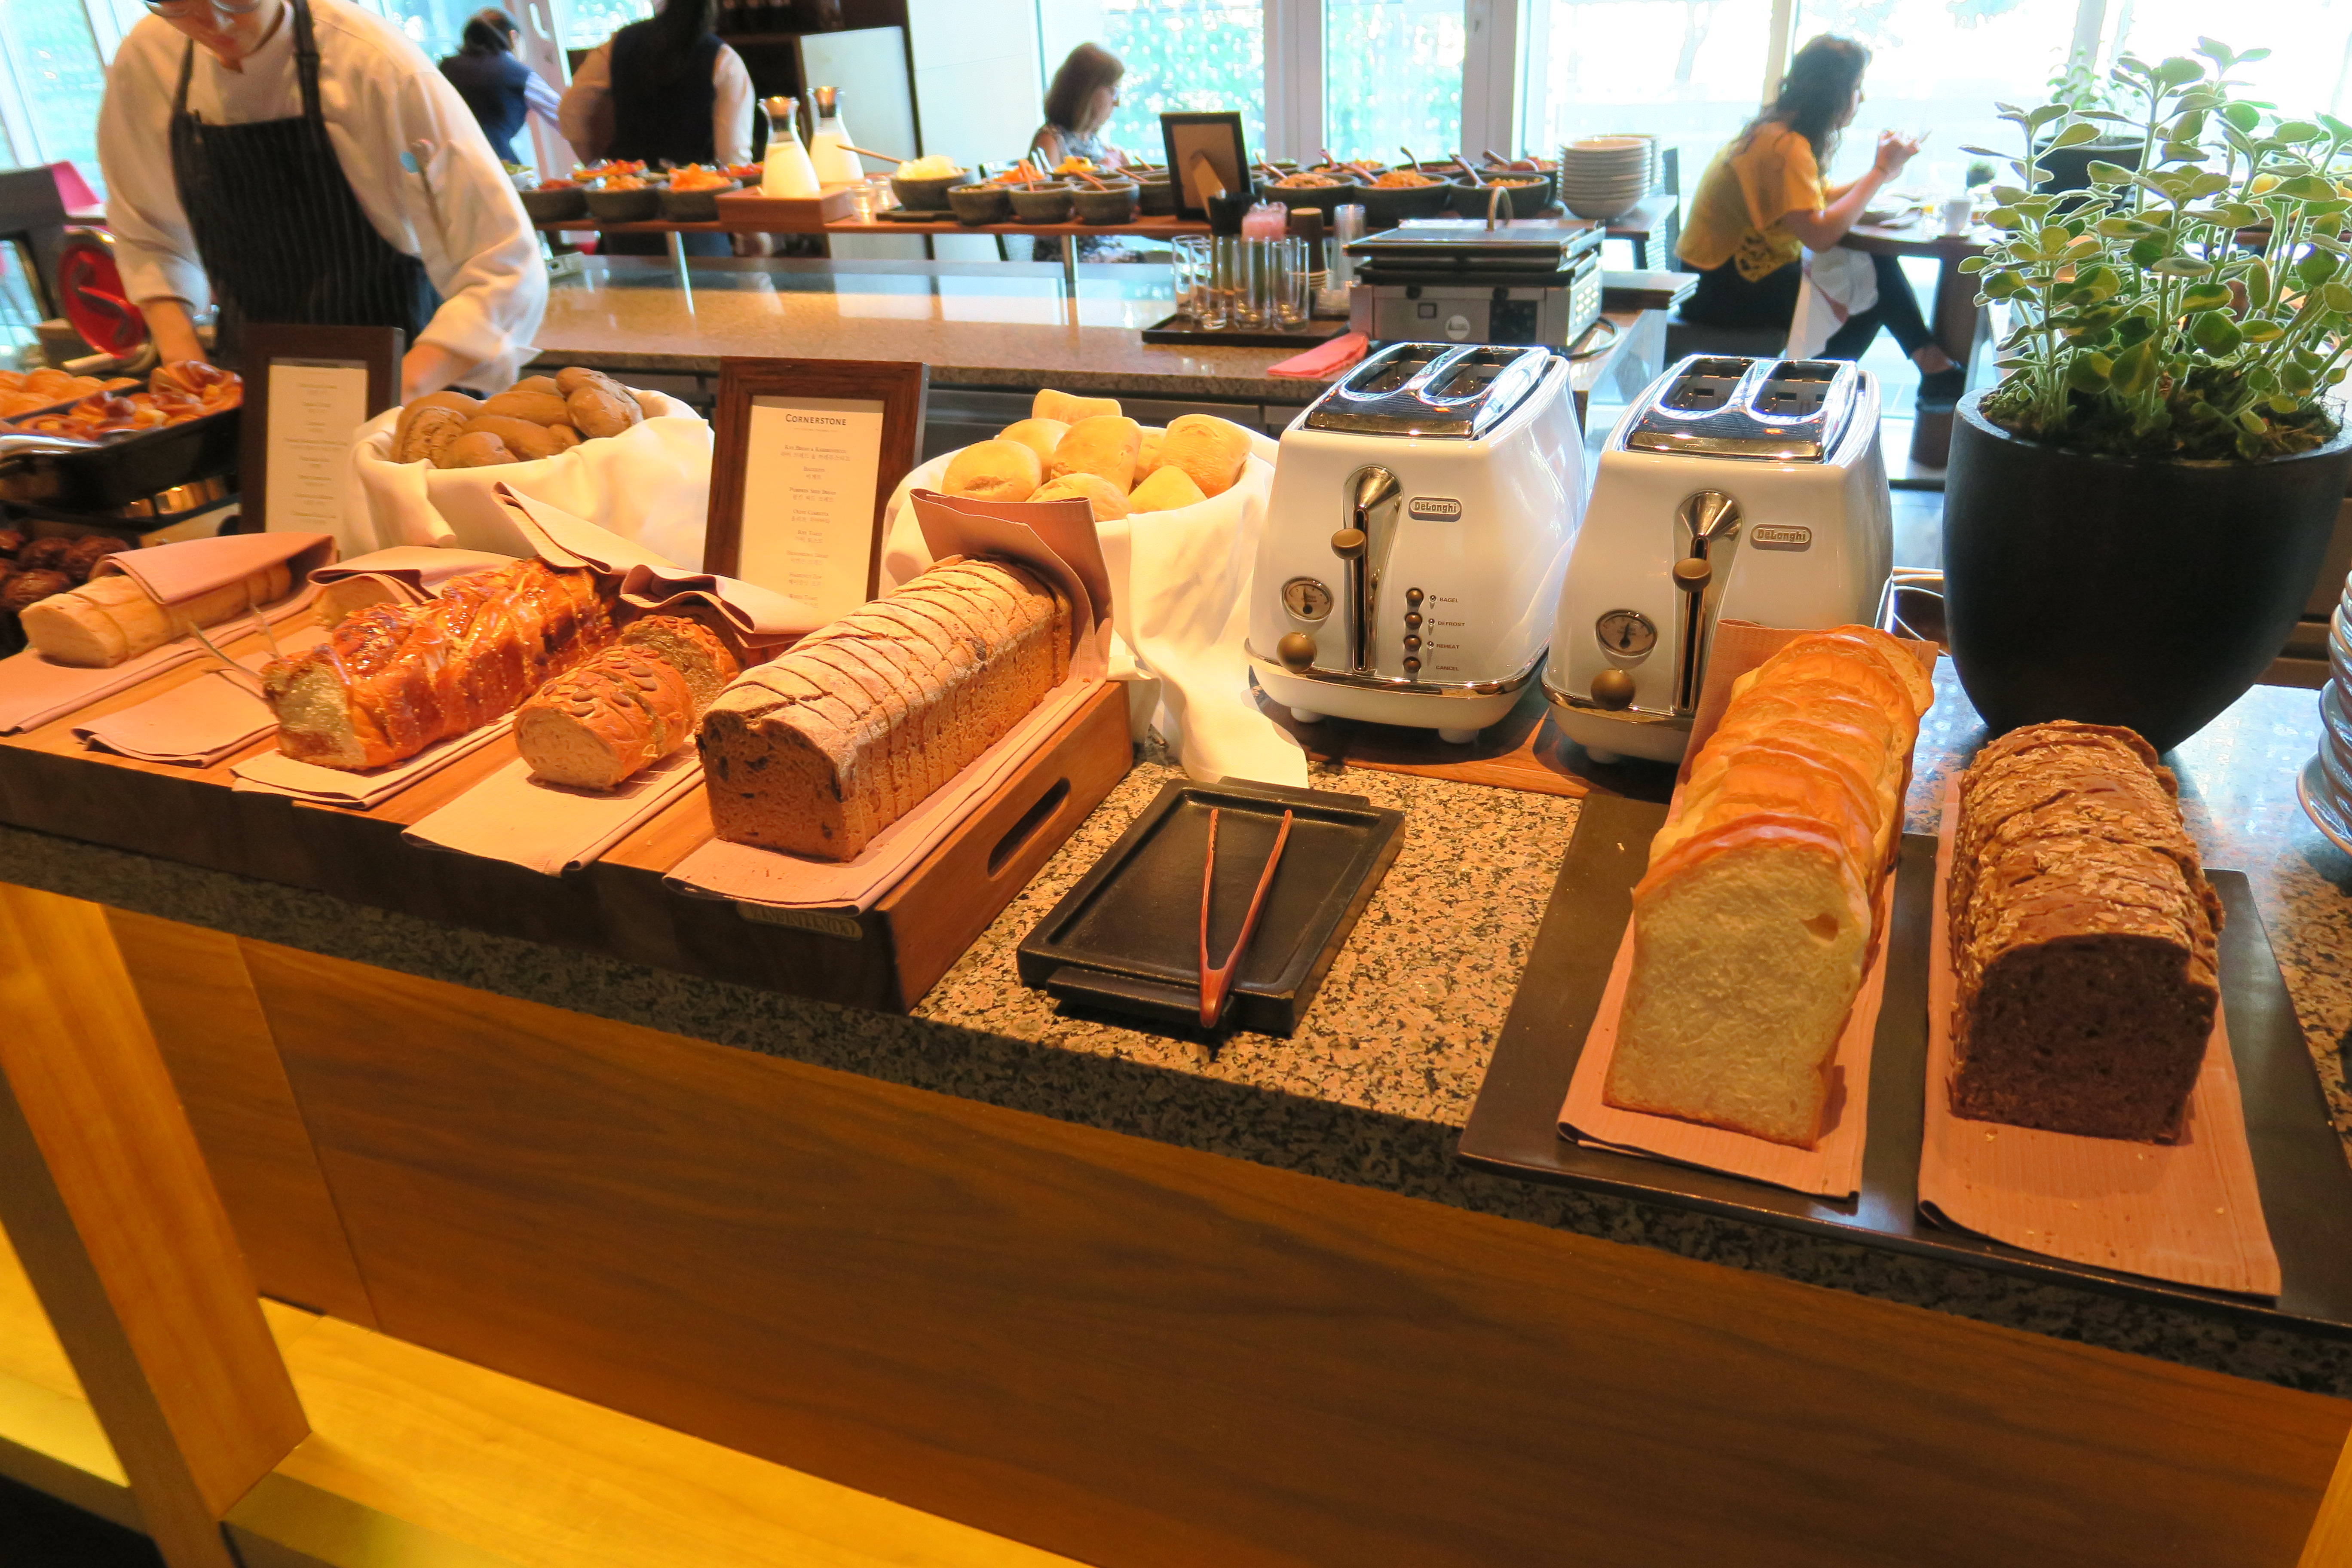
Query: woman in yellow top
1762, 201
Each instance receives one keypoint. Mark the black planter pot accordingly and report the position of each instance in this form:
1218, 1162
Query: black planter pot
2150, 595
2069, 168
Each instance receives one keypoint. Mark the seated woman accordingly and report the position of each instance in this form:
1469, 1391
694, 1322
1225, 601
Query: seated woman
1761, 202
1083, 97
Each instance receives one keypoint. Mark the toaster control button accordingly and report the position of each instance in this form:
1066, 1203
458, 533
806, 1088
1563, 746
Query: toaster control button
1612, 689
1297, 650
1412, 595
1413, 666
1307, 599
1412, 619
1628, 633
1412, 645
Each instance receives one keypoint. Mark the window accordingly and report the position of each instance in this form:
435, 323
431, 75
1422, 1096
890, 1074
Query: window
1392, 77
59, 80
435, 27
2310, 43
1687, 71
1179, 55
589, 22
1937, 67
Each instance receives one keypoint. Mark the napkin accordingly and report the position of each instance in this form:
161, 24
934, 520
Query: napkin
201, 722
275, 773
553, 828
1325, 360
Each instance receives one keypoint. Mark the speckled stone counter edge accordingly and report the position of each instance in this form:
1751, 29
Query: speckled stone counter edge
1340, 1143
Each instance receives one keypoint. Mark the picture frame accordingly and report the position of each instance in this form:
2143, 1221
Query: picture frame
350, 368
792, 443
1215, 137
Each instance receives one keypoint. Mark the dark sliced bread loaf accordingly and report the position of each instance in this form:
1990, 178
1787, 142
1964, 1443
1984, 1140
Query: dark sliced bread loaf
2082, 933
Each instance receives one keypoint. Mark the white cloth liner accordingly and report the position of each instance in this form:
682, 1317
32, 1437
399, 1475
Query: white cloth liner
1180, 581
650, 485
1838, 284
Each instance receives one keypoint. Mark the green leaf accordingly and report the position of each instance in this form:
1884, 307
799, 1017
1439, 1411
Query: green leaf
2072, 135
2204, 297
2251, 421
2135, 369
2145, 252
2004, 218
2179, 267
2281, 403
2042, 114
2179, 71
2103, 173
2082, 249
2208, 183
2244, 116
2006, 194
2215, 333
2084, 373
2003, 286
2297, 380
2314, 267
2263, 331
1984, 152
2258, 285
2336, 297
2123, 228
2304, 188
2295, 132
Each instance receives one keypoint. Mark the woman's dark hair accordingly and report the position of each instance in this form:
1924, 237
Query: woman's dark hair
677, 30
1089, 66
1816, 91
490, 32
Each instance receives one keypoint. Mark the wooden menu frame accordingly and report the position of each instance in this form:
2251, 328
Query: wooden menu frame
264, 344
1215, 136
900, 386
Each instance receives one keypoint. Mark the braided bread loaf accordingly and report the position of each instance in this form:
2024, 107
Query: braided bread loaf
625, 708
1753, 926
819, 751
2082, 938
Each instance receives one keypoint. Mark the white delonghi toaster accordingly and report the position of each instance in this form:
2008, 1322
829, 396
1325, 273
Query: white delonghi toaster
1423, 513
1749, 489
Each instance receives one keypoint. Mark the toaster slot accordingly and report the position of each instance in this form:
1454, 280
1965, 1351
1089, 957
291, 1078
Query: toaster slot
1706, 385
1796, 389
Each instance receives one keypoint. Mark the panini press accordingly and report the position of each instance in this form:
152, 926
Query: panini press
1534, 281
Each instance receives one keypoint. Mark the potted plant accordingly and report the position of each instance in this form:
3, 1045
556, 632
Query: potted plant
2089, 96
2134, 514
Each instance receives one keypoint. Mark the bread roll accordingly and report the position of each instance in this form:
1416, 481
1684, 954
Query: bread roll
1213, 451
456, 402
46, 554
111, 618
993, 470
1099, 492
83, 555
1040, 435
542, 385
1165, 490
572, 378
1106, 444
1147, 456
1051, 404
427, 436
1753, 925
566, 437
539, 407
477, 450
601, 410
525, 439
30, 587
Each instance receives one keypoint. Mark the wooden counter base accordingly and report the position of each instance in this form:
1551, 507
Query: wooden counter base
1136, 1354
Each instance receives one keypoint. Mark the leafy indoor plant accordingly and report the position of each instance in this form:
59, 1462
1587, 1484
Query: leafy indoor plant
2134, 515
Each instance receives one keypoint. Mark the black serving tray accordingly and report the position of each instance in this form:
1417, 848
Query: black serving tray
916, 214
1179, 328
1513, 1128
1127, 938
118, 472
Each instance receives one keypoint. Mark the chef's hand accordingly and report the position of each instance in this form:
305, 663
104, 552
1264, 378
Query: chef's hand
174, 330
429, 367
1894, 151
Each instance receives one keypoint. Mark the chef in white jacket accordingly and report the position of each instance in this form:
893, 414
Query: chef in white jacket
299, 161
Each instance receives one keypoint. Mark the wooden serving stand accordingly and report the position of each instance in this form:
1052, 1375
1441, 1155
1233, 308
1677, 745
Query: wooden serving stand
883, 959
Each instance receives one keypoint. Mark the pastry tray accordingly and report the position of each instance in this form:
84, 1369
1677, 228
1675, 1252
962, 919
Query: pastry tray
1127, 938
1179, 328
1513, 1128
125, 468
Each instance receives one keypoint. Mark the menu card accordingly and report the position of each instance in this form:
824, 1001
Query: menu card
315, 406
811, 469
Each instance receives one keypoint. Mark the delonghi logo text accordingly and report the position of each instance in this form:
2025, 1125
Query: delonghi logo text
1434, 508
1766, 537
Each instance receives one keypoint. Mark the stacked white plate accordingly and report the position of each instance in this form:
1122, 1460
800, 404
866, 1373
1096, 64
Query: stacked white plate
2326, 786
1603, 176
1657, 153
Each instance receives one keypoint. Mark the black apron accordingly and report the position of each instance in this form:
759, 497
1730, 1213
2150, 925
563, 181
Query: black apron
281, 237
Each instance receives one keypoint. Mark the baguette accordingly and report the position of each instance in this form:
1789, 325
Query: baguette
1754, 923
2083, 938
627, 708
391, 680
110, 619
821, 750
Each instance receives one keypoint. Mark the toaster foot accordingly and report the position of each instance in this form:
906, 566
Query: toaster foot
1307, 715
1606, 759
1456, 737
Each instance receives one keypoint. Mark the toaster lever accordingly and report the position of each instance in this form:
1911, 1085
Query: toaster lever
1372, 491
1712, 518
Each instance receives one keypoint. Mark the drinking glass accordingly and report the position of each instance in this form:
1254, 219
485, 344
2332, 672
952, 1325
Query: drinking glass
1188, 258
1347, 227
1290, 273
1220, 271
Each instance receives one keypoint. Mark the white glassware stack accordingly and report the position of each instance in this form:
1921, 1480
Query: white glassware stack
1603, 177
2326, 786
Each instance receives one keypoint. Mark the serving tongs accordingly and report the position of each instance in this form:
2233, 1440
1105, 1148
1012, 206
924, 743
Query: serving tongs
1217, 982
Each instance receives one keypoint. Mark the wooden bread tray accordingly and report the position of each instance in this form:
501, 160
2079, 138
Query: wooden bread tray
830, 205
883, 959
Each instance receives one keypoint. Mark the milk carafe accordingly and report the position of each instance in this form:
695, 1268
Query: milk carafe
829, 145
788, 172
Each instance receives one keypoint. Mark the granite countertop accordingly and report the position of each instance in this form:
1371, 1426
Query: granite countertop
1375, 1086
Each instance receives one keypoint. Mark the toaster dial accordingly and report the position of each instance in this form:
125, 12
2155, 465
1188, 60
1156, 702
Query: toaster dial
1307, 599
1626, 634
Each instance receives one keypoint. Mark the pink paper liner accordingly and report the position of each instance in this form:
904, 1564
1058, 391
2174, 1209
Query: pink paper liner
275, 773
2188, 1211
200, 722
34, 692
1831, 1168
553, 828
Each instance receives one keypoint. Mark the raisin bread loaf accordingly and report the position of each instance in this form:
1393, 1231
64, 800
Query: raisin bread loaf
627, 708
110, 619
818, 751
391, 679
1753, 924
2082, 933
